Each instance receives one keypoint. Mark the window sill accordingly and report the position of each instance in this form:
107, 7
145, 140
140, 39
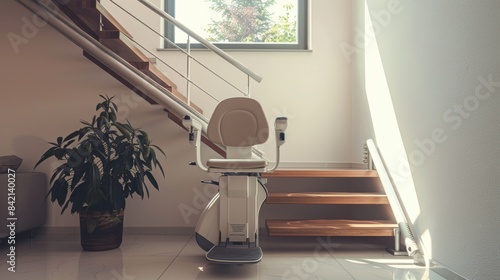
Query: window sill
237, 50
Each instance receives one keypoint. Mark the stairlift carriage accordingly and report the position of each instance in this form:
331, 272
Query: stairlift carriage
228, 227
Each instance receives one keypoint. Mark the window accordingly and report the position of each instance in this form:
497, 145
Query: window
240, 24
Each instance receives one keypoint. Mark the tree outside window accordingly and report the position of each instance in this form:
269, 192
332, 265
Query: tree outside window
272, 24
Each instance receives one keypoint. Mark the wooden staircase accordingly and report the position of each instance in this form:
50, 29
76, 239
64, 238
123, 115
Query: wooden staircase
347, 222
95, 20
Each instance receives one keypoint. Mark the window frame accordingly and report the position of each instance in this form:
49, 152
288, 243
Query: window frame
302, 33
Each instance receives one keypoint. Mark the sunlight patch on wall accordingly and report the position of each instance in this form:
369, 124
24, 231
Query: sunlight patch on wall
387, 134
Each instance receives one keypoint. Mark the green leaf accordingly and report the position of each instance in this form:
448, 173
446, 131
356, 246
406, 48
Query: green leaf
145, 136
152, 179
63, 193
65, 206
122, 128
95, 177
72, 135
139, 186
55, 190
142, 147
78, 197
159, 149
75, 159
49, 153
114, 105
78, 175
118, 198
59, 153
112, 116
69, 143
103, 122
156, 162
57, 174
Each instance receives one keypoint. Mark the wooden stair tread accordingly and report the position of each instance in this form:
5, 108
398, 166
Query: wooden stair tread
92, 12
119, 43
327, 198
109, 22
88, 20
320, 173
322, 227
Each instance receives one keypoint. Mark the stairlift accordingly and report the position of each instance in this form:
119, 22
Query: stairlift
228, 227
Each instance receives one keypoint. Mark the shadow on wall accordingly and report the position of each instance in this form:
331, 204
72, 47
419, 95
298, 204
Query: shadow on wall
29, 147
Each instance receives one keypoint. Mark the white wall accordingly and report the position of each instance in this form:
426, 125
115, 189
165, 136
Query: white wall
48, 86
436, 56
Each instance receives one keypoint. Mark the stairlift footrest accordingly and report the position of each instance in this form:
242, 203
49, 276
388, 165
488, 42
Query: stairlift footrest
234, 255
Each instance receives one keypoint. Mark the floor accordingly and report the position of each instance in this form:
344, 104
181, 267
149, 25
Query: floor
144, 257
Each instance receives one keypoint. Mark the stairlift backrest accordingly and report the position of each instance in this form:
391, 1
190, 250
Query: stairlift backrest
240, 123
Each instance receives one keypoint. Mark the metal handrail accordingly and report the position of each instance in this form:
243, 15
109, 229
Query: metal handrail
187, 53
202, 41
394, 200
111, 60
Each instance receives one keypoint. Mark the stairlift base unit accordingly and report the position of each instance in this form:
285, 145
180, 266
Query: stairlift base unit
235, 254
228, 227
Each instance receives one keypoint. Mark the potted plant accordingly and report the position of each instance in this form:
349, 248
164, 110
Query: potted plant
103, 163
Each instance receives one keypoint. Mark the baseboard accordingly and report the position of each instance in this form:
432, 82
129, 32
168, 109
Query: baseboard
359, 165
126, 230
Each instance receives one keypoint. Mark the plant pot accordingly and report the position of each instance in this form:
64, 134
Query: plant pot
101, 231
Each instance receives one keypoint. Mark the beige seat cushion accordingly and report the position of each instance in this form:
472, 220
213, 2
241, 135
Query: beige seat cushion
237, 163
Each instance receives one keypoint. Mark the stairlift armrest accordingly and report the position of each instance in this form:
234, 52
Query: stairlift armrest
194, 128
280, 125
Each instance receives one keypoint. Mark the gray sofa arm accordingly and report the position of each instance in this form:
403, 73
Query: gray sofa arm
30, 207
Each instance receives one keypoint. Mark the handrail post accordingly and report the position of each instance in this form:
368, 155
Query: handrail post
248, 86
188, 69
367, 157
